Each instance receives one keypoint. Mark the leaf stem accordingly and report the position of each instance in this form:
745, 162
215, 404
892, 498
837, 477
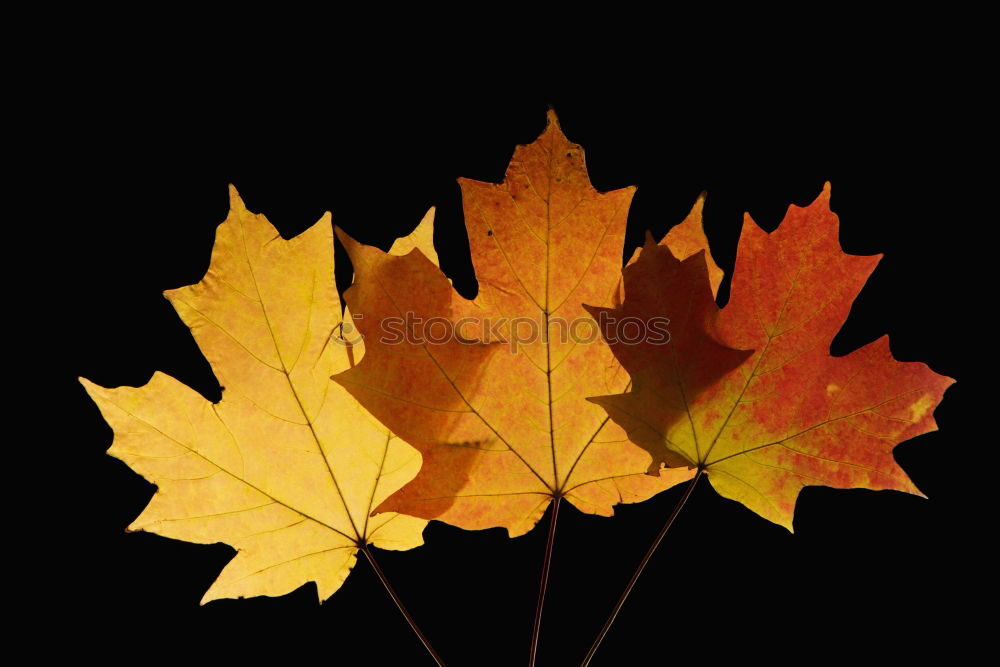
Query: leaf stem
399, 603
544, 584
642, 566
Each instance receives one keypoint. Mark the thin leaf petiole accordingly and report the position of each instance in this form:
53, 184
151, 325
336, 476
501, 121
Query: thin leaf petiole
544, 584
399, 604
642, 566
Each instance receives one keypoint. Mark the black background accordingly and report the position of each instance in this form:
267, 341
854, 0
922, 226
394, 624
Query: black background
145, 167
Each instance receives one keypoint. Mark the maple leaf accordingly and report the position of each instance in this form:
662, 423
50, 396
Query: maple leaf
498, 410
287, 466
790, 415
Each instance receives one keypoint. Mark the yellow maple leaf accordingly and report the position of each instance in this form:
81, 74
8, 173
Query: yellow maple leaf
287, 467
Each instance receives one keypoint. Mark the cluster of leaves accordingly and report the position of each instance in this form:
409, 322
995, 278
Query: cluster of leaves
324, 444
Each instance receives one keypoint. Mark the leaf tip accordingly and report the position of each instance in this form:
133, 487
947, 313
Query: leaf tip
694, 216
750, 225
235, 200
597, 400
595, 311
345, 239
551, 118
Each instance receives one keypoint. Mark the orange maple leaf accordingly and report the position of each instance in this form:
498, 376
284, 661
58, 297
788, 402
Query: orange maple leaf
503, 424
790, 415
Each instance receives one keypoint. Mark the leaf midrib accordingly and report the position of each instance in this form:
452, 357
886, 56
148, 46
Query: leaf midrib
359, 536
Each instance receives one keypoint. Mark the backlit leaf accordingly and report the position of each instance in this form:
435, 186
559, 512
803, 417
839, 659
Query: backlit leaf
498, 409
790, 415
287, 467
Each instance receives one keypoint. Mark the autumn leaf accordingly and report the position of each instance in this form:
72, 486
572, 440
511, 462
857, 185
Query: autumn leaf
287, 467
685, 239
497, 408
790, 415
